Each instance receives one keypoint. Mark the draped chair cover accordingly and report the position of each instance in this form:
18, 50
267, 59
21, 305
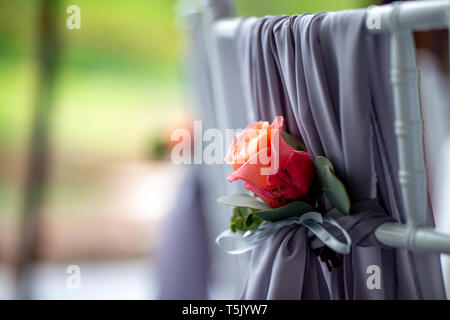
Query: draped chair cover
190, 265
330, 80
184, 257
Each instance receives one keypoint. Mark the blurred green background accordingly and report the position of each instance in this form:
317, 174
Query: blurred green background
117, 84
124, 60
116, 87
269, 7
117, 91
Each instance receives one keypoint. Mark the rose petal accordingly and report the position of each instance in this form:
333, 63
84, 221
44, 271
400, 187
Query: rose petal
247, 143
283, 149
300, 169
251, 173
277, 123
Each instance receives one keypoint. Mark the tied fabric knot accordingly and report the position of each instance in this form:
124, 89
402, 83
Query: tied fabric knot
312, 220
356, 228
329, 257
364, 218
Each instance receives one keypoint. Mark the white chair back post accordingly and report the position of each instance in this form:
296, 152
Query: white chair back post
400, 19
228, 105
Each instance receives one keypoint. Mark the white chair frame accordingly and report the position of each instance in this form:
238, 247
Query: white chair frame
400, 19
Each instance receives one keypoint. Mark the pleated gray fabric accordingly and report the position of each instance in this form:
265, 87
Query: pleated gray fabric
330, 81
183, 260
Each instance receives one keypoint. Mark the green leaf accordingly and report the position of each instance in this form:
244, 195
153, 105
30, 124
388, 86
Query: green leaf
252, 221
243, 200
333, 187
293, 141
293, 209
244, 219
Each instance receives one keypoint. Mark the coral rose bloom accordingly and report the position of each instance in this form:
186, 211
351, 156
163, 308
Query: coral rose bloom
260, 147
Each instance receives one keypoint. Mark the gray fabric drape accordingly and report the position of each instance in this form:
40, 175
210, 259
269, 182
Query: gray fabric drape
191, 266
330, 81
183, 260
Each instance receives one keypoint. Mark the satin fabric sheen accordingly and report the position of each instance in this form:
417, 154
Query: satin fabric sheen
330, 81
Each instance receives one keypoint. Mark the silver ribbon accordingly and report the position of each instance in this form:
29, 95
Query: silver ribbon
312, 220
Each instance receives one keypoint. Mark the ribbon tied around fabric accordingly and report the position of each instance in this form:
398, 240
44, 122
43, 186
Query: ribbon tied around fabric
312, 220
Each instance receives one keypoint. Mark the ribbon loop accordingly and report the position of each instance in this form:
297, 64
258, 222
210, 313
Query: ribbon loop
311, 220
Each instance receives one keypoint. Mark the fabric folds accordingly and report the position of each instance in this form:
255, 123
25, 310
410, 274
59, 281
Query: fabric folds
183, 260
330, 81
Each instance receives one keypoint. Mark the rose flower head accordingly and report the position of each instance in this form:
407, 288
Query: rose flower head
271, 168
